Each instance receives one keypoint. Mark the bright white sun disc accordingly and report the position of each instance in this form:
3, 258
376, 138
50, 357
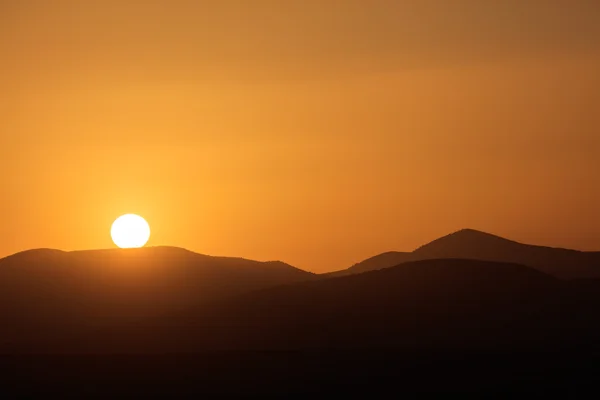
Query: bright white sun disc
130, 231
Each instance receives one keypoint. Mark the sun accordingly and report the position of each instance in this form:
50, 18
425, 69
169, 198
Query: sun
130, 231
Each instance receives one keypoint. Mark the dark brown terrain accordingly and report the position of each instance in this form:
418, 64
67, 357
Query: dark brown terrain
475, 245
168, 322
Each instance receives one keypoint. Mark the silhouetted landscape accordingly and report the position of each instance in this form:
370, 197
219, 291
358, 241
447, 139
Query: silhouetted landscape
475, 245
267, 199
182, 322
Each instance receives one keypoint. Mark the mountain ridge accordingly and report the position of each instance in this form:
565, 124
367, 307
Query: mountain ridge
97, 286
465, 243
469, 233
478, 245
43, 252
427, 304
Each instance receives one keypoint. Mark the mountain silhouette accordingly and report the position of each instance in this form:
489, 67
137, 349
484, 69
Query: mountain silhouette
165, 322
476, 245
414, 305
380, 261
417, 306
51, 291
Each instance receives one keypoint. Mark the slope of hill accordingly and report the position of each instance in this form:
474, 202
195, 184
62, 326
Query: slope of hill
476, 245
446, 305
428, 304
468, 326
52, 291
380, 261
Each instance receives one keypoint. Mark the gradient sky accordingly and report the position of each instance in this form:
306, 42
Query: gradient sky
317, 132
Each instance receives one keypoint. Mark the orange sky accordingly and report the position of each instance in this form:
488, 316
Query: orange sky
315, 132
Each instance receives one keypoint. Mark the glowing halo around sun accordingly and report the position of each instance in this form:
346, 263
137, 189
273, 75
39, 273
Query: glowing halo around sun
130, 231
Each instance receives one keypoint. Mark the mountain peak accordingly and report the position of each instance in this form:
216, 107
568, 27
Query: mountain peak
35, 254
463, 240
469, 232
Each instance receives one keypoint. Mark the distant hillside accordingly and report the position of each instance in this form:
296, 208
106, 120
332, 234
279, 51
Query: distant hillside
419, 305
434, 304
52, 291
476, 245
384, 260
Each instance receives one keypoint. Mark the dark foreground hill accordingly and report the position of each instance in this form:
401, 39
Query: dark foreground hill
476, 245
427, 305
46, 292
435, 305
296, 375
428, 326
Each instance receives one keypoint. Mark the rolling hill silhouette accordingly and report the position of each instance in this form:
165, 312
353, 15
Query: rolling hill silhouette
441, 305
476, 245
51, 291
426, 304
170, 323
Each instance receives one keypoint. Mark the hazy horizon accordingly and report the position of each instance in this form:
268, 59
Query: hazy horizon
316, 133
366, 257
